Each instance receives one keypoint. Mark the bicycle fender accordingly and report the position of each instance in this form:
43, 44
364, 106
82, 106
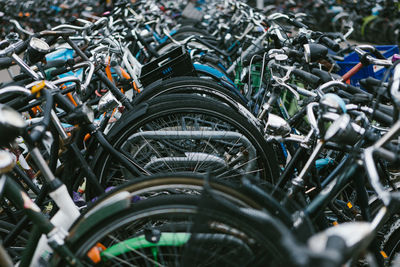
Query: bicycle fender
105, 209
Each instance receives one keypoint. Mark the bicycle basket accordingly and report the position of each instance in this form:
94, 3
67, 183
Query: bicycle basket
173, 64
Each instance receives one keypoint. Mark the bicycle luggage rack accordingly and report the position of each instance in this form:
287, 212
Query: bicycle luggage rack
173, 64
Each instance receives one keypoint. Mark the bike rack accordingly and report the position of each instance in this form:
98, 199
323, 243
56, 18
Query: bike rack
194, 157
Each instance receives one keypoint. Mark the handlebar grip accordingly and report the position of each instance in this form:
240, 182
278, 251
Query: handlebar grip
324, 75
37, 133
57, 63
5, 62
356, 90
4, 44
372, 81
386, 109
294, 53
16, 48
58, 71
382, 117
21, 48
330, 43
51, 40
344, 94
360, 98
298, 24
308, 77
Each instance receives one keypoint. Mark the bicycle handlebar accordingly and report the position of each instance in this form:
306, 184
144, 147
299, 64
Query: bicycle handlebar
16, 48
379, 60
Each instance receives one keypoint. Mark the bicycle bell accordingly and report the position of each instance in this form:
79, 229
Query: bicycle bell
37, 49
11, 125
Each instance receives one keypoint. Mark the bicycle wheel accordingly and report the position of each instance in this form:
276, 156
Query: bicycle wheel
17, 246
175, 183
170, 231
187, 133
389, 235
189, 85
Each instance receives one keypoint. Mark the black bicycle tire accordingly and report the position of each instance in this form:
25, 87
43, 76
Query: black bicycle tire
179, 103
181, 204
193, 85
232, 191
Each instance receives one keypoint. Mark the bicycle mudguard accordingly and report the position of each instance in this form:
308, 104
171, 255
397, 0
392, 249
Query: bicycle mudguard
219, 76
103, 210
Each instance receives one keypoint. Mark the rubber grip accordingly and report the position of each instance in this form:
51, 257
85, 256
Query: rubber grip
386, 109
50, 40
294, 53
306, 76
330, 43
58, 71
324, 75
372, 81
344, 94
22, 47
5, 62
387, 154
356, 90
57, 63
298, 24
382, 117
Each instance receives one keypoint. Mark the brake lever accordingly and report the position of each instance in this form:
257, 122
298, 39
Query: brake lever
281, 81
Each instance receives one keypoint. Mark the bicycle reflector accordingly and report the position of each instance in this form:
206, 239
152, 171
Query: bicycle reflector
11, 125
37, 49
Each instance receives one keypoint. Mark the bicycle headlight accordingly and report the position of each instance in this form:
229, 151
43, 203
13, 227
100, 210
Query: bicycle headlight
7, 161
11, 124
342, 131
37, 50
107, 102
314, 52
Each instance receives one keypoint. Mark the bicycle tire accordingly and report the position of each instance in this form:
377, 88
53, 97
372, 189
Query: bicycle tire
177, 215
18, 245
189, 85
188, 104
176, 183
